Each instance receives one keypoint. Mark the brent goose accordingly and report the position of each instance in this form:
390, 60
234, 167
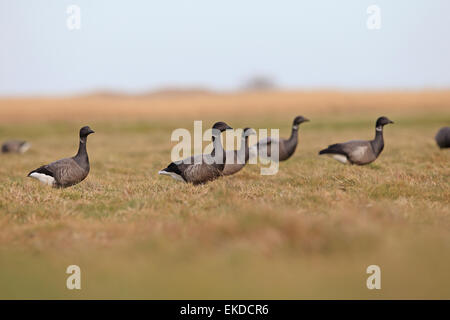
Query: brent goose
443, 137
236, 159
359, 152
201, 168
68, 171
286, 147
15, 146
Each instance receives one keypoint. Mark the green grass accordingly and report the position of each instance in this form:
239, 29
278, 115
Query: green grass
308, 232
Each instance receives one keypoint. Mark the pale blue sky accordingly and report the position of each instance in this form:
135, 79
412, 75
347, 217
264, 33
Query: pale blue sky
143, 45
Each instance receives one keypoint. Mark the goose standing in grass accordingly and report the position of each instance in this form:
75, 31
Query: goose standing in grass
443, 137
201, 168
286, 147
359, 152
15, 146
237, 159
69, 171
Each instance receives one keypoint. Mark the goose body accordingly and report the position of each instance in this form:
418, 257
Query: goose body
359, 152
443, 137
15, 146
202, 168
286, 147
235, 160
68, 171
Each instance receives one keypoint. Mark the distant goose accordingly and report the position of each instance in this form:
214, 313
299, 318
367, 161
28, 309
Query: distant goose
201, 168
236, 159
286, 147
443, 137
69, 171
15, 146
359, 152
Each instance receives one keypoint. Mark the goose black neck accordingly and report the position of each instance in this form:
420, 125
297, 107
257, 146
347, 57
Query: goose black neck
244, 148
294, 132
82, 157
378, 141
218, 148
291, 143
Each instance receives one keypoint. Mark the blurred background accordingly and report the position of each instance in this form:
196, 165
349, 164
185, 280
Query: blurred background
143, 46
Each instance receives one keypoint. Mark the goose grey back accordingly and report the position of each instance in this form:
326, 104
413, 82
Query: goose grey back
68, 171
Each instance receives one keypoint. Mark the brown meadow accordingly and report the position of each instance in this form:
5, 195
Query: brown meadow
309, 231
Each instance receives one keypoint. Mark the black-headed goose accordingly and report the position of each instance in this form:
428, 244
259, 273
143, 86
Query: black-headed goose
443, 137
359, 152
69, 171
286, 147
236, 159
15, 146
201, 168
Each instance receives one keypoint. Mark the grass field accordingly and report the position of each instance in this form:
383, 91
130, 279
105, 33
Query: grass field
308, 232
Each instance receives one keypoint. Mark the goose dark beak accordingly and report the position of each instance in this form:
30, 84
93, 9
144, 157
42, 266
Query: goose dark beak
390, 121
91, 131
306, 120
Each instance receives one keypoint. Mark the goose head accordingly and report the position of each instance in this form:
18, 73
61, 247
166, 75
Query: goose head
382, 121
221, 126
85, 131
299, 120
248, 132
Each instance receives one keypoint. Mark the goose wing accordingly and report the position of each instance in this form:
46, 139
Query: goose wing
66, 172
196, 169
201, 173
199, 170
357, 151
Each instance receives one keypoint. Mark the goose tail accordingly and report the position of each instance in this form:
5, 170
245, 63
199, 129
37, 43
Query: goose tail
333, 149
326, 151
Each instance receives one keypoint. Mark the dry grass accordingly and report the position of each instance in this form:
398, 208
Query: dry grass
308, 232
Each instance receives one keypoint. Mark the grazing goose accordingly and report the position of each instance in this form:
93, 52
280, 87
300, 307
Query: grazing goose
204, 167
286, 147
15, 146
69, 171
359, 151
443, 137
236, 159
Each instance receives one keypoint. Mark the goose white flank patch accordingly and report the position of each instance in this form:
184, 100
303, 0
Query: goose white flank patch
359, 152
286, 147
15, 146
69, 171
201, 168
339, 157
45, 179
